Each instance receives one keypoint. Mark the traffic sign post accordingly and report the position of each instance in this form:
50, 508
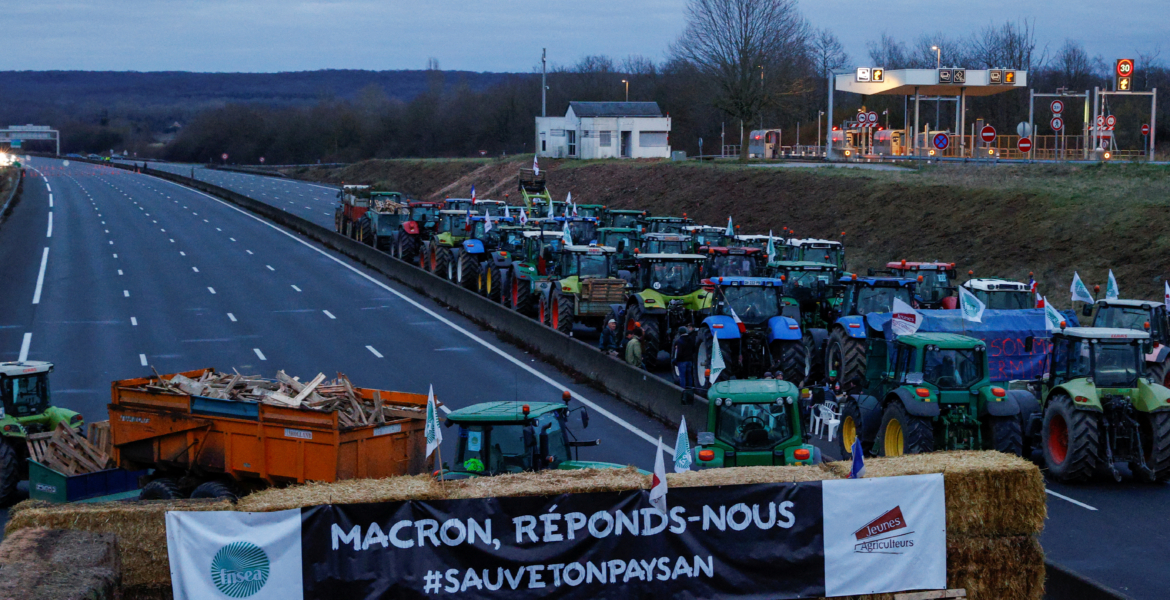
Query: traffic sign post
1057, 107
1024, 145
1057, 123
941, 141
987, 134
1146, 129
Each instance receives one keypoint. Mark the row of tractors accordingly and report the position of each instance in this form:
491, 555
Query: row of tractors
789, 307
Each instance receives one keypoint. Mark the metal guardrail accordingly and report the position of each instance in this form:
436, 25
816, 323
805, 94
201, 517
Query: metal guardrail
7, 203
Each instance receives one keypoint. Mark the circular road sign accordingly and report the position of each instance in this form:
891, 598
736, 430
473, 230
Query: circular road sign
1146, 129
1110, 121
1124, 67
872, 117
1100, 120
1057, 106
261, 160
987, 134
941, 141
1024, 145
223, 156
1057, 123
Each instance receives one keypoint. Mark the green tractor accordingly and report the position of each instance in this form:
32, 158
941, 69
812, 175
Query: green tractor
584, 286
665, 243
671, 295
809, 298
1142, 315
623, 218
814, 250
708, 235
1101, 408
437, 255
931, 391
666, 224
493, 275
530, 271
472, 257
753, 422
624, 240
496, 438
24, 392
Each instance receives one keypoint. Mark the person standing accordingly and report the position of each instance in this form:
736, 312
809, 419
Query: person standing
610, 342
634, 348
683, 356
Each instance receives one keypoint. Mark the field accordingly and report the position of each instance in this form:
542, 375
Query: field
1004, 221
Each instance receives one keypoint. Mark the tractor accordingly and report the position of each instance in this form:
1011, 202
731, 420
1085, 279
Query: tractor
843, 343
471, 255
497, 438
584, 285
493, 276
753, 422
380, 223
495, 208
733, 262
932, 391
1142, 315
754, 338
812, 250
1001, 294
624, 240
666, 224
670, 295
708, 235
757, 241
532, 188
416, 224
596, 211
623, 218
352, 203
1101, 408
24, 394
540, 208
665, 243
808, 297
531, 268
936, 282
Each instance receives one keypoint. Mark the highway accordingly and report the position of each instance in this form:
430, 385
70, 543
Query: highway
135, 272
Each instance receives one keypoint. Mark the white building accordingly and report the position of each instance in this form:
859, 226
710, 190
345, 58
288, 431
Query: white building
605, 130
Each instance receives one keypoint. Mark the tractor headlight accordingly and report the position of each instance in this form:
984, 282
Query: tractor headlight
75, 419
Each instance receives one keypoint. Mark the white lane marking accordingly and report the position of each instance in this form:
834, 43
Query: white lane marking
142, 359
211, 289
24, 344
134, 321
50, 201
1067, 499
296, 288
111, 242
271, 269
196, 269
172, 240
248, 251
259, 353
41, 277
49, 233
374, 352
232, 239
329, 314
181, 253
115, 256
545, 378
232, 317
47, 186
119, 271
162, 230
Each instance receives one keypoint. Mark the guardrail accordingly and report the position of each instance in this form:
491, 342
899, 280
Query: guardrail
6, 204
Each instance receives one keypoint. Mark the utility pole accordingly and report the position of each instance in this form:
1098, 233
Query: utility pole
543, 85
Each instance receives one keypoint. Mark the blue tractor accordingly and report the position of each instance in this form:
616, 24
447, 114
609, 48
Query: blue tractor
843, 343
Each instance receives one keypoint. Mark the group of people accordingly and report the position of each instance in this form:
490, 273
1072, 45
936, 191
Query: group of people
682, 353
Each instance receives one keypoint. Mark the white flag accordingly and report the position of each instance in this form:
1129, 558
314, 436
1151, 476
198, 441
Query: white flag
487, 223
658, 481
904, 320
507, 213
568, 237
1079, 290
1052, 317
682, 449
717, 364
730, 230
771, 247
1111, 291
972, 307
535, 166
523, 216
551, 214
1167, 300
433, 432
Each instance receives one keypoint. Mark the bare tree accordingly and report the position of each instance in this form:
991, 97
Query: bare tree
751, 50
827, 53
1011, 45
1148, 62
888, 53
1073, 66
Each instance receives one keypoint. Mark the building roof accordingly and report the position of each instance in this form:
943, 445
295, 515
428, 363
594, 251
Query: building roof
616, 109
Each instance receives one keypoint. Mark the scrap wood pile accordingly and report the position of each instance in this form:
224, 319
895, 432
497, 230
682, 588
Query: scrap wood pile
337, 395
66, 452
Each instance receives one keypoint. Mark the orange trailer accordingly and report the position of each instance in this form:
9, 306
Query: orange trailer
195, 438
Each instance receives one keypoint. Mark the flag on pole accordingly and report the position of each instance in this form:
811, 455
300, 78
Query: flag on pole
433, 432
738, 323
1167, 300
904, 319
507, 213
682, 449
1079, 290
487, 223
1039, 300
473, 200
730, 230
467, 224
1032, 284
523, 216
972, 307
771, 247
717, 364
535, 166
1111, 291
568, 237
857, 469
658, 481
551, 214
575, 209
1052, 317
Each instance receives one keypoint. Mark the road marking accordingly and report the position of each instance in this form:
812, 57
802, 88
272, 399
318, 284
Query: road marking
374, 352
270, 267
296, 288
115, 256
329, 314
142, 359
1067, 499
50, 201
508, 357
49, 233
24, 344
119, 271
248, 251
232, 239
125, 293
112, 242
196, 269
47, 186
218, 229
41, 277
134, 321
172, 240
211, 289
443, 407
181, 253
259, 353
232, 317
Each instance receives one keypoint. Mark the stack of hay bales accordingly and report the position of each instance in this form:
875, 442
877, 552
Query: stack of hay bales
59, 565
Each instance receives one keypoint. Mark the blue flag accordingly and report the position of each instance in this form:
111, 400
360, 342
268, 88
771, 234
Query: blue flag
857, 471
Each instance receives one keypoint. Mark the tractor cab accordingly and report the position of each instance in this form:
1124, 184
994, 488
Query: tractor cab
494, 208
936, 282
596, 211
540, 208
753, 422
754, 337
532, 187
425, 215
816, 251
586, 262
757, 241
497, 438
733, 262
1142, 315
665, 243
27, 406
864, 295
541, 250
1001, 294
670, 274
708, 235
808, 287
623, 218
585, 285
623, 240
666, 224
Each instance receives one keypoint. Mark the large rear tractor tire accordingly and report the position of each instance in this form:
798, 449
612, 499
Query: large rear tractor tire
521, 296
1071, 440
791, 358
9, 473
1161, 372
542, 312
844, 358
1004, 434
163, 488
561, 313
1156, 443
366, 231
702, 362
902, 433
407, 246
468, 272
215, 489
443, 263
424, 257
651, 340
492, 280
814, 358
849, 429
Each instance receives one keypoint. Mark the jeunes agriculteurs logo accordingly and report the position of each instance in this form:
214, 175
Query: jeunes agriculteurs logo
240, 569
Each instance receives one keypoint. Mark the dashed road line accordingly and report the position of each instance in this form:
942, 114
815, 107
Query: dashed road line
374, 352
24, 346
259, 353
134, 321
41, 277
1067, 499
232, 317
329, 314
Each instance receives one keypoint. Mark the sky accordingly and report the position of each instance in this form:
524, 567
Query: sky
486, 35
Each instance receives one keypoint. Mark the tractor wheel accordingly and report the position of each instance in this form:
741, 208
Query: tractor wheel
491, 283
1071, 440
366, 231
1161, 372
163, 488
215, 489
1004, 434
1155, 428
337, 220
424, 256
521, 296
561, 313
9, 473
442, 263
902, 433
542, 312
468, 271
814, 360
407, 246
791, 358
844, 358
849, 429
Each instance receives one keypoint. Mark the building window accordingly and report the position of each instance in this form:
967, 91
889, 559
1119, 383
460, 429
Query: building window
605, 138
572, 142
557, 133
543, 146
652, 139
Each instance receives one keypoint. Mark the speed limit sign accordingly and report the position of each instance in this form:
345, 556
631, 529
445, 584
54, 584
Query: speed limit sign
224, 156
1057, 107
1110, 121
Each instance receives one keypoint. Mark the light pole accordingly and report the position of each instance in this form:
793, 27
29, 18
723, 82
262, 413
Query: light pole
627, 82
937, 102
820, 113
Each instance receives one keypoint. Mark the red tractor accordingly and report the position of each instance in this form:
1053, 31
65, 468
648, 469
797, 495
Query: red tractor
353, 202
936, 282
416, 224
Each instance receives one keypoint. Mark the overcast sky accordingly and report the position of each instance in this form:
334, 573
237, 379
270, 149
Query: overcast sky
485, 35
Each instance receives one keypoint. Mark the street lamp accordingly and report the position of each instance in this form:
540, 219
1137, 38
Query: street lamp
820, 114
937, 101
627, 82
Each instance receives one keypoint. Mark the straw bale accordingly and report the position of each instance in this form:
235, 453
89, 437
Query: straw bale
140, 527
349, 491
548, 483
57, 564
988, 493
747, 475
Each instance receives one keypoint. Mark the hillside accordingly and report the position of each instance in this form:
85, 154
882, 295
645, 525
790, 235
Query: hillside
1005, 220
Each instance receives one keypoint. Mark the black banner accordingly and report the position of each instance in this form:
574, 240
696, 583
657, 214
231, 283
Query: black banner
747, 541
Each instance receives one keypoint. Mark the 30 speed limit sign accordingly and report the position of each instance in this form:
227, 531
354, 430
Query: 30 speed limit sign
1057, 107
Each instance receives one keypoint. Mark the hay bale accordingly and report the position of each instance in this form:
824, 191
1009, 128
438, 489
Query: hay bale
988, 493
59, 565
547, 483
748, 475
349, 491
139, 526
